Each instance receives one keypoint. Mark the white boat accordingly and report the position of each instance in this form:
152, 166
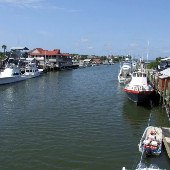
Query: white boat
138, 89
142, 166
151, 141
124, 75
11, 74
31, 70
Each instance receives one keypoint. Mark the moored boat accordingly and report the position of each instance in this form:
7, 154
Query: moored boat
138, 89
31, 70
124, 75
151, 141
11, 73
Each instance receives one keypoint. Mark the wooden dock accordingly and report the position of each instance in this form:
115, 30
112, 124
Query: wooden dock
166, 139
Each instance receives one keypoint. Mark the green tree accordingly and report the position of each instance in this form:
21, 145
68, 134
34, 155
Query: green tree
4, 47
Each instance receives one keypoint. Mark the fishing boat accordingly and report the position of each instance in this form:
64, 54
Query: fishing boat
124, 75
31, 70
151, 141
138, 89
11, 73
142, 166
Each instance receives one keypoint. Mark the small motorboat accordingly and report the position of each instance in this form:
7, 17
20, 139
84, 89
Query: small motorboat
151, 141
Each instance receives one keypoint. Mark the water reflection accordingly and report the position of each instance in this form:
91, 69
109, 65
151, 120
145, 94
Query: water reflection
134, 114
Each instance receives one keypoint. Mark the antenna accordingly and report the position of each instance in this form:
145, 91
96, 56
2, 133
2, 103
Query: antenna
147, 51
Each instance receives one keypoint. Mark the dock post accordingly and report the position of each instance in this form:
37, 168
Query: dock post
164, 93
168, 97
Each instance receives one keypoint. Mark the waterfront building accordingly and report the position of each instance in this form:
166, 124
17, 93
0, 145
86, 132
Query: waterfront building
52, 58
96, 61
18, 52
164, 80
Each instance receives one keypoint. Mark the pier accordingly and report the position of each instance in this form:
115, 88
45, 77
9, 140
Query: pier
166, 139
161, 84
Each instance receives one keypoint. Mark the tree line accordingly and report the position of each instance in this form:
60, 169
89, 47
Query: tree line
2, 54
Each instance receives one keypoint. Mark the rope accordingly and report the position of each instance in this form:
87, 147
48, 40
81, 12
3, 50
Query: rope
143, 148
149, 118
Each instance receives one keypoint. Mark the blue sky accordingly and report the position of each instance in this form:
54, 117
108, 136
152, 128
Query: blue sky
100, 27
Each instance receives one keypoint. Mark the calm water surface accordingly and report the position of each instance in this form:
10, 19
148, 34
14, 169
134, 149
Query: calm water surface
73, 120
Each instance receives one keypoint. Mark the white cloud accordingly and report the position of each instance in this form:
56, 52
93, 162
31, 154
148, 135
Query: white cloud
37, 4
23, 3
84, 40
90, 47
133, 45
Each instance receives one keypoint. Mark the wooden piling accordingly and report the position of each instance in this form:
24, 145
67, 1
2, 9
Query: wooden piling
166, 139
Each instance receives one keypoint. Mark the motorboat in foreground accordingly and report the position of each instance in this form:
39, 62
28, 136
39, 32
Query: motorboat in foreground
138, 89
142, 166
11, 74
151, 141
31, 70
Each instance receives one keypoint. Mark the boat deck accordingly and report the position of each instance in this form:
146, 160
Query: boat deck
166, 139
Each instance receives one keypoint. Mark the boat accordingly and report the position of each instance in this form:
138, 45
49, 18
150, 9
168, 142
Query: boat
31, 70
139, 90
11, 73
142, 166
124, 75
151, 141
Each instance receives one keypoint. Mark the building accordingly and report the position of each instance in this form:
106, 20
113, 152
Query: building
18, 52
164, 80
52, 58
96, 61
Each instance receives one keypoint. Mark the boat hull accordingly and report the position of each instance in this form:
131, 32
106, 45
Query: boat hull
139, 96
12, 79
32, 75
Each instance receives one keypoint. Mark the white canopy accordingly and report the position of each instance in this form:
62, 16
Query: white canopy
165, 59
166, 72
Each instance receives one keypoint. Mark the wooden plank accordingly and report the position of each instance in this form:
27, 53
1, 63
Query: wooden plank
166, 139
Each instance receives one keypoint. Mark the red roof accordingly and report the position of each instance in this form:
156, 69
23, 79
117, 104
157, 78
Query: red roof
40, 51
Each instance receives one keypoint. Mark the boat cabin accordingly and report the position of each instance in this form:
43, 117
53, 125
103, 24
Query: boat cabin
139, 78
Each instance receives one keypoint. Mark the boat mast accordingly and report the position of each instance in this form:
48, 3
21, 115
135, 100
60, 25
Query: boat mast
147, 52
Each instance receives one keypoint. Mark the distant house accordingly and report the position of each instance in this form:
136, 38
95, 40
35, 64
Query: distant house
53, 57
18, 52
96, 61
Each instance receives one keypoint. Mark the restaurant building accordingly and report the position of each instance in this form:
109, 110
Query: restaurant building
52, 58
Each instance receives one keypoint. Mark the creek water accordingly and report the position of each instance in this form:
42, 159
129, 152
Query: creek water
74, 120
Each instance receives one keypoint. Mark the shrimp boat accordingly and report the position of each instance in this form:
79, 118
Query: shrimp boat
151, 141
138, 89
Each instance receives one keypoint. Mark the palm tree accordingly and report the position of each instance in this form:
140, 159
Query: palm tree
4, 47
